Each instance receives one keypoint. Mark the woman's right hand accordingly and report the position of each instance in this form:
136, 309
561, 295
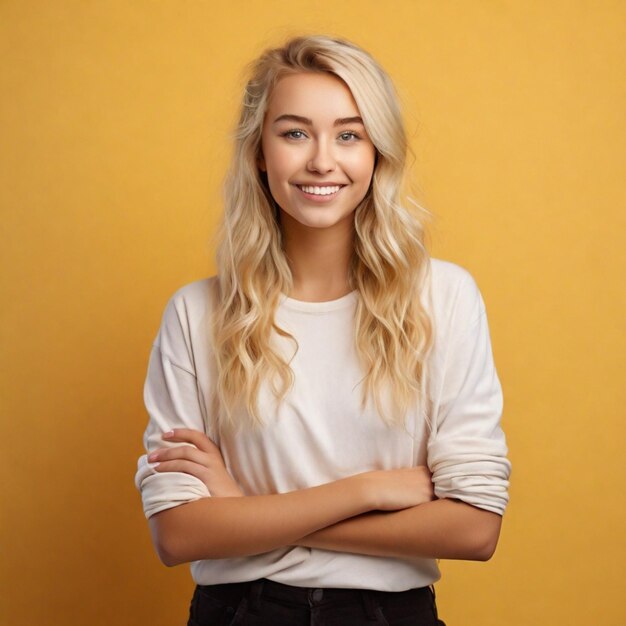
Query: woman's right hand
202, 459
395, 489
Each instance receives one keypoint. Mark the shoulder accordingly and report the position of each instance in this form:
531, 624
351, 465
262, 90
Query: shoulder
452, 284
454, 295
185, 317
194, 296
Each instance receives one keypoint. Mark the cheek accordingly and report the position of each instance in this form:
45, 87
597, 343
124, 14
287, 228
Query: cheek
362, 166
278, 172
277, 159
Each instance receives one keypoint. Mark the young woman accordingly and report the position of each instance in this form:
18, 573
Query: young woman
325, 412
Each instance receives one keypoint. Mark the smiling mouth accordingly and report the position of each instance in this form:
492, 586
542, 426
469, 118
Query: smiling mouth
315, 190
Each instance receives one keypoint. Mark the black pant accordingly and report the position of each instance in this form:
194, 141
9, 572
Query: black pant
264, 602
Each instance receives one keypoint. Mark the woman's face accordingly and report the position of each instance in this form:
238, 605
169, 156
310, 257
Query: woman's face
318, 158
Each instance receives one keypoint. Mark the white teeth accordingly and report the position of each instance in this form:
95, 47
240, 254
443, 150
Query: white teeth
320, 191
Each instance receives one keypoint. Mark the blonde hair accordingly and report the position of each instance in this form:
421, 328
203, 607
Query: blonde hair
389, 264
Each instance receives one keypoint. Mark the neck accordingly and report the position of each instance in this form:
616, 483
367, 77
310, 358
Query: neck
319, 259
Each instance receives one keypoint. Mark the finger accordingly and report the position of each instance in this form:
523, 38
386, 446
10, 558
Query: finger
196, 437
189, 453
183, 466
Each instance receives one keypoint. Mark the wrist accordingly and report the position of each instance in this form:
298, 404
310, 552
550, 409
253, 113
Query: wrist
364, 488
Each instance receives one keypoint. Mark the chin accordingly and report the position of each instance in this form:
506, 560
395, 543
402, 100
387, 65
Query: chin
317, 217
325, 222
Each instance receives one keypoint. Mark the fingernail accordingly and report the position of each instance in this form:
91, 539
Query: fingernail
169, 433
153, 456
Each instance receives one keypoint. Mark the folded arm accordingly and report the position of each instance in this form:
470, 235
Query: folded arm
335, 516
441, 529
225, 527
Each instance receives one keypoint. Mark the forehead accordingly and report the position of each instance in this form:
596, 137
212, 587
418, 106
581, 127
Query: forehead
318, 96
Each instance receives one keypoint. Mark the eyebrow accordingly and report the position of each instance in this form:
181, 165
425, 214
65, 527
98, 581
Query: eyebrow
342, 121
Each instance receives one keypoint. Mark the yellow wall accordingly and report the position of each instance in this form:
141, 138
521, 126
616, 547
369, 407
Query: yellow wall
115, 118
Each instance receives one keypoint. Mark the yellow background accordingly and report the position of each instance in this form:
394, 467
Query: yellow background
115, 123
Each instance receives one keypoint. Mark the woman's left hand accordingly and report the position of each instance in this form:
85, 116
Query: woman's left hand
202, 459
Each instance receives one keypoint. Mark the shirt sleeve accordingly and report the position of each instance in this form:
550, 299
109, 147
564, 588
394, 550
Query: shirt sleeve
172, 401
467, 452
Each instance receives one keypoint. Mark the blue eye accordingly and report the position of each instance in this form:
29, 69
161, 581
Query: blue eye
349, 136
293, 134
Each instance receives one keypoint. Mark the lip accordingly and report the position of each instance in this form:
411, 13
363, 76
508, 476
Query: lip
317, 183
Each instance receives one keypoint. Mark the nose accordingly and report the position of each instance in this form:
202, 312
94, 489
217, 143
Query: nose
322, 158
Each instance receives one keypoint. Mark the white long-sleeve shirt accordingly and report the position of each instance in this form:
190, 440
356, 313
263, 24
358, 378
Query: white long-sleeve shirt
320, 434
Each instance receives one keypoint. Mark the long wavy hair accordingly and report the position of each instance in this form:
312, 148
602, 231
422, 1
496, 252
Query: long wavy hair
389, 265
